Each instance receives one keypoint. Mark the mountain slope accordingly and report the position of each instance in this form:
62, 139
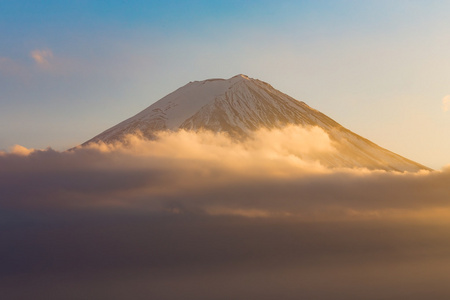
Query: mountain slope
241, 105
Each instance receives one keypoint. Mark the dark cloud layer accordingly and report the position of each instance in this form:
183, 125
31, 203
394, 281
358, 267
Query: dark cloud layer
199, 217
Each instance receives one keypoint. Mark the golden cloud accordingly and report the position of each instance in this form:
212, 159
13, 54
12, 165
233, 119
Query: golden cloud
271, 175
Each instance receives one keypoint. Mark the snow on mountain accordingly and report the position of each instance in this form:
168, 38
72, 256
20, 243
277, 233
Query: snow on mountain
241, 105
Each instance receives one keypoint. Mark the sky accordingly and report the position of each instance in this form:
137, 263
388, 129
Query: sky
69, 70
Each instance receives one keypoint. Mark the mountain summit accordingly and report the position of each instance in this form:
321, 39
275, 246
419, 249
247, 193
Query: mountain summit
239, 106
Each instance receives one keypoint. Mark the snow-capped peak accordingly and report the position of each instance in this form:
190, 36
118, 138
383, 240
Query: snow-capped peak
239, 77
240, 105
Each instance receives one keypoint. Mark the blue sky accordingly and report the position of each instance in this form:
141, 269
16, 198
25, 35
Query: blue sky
71, 69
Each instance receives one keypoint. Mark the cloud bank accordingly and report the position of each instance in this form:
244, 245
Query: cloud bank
273, 174
199, 216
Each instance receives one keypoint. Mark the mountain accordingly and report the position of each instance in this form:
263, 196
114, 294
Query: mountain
241, 105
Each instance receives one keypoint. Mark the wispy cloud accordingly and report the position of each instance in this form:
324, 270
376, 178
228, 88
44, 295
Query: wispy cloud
446, 103
42, 57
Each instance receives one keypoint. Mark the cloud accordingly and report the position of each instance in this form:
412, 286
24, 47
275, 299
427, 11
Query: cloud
199, 216
20, 150
207, 173
446, 103
42, 57
44, 61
